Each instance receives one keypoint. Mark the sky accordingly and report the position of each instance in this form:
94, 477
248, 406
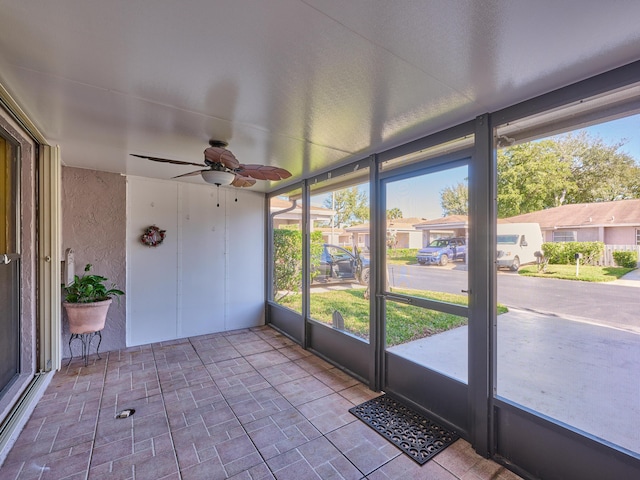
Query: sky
625, 128
420, 196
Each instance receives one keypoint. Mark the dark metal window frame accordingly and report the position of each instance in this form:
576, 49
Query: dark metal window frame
530, 444
536, 445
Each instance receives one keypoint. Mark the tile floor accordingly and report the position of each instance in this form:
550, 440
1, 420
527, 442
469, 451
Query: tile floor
247, 404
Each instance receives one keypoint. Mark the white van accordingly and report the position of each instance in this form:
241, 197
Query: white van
518, 244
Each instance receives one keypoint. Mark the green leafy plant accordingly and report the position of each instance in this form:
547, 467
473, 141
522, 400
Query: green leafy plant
626, 259
564, 253
402, 256
287, 258
89, 288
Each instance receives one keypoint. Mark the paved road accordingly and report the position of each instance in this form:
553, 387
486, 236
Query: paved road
613, 305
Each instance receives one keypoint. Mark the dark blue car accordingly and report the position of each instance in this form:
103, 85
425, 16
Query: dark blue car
339, 264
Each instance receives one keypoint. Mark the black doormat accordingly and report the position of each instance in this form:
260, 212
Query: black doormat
415, 435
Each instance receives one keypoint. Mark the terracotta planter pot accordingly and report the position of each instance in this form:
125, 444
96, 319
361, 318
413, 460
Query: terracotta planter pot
87, 317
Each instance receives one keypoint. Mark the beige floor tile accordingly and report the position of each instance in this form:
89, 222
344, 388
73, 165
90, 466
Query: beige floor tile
246, 405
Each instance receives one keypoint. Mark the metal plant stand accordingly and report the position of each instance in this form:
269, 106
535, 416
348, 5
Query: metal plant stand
86, 339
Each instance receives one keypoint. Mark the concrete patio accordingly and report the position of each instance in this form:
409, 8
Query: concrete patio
582, 374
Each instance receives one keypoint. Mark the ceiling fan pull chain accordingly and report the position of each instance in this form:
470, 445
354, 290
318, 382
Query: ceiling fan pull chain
218, 188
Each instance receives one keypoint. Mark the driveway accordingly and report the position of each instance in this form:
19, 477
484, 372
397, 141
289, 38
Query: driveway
581, 374
631, 279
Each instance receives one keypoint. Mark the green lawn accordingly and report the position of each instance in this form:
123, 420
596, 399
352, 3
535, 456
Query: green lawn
402, 260
587, 273
402, 256
404, 322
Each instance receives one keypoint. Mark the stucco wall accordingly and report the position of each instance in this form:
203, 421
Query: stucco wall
620, 235
94, 226
623, 235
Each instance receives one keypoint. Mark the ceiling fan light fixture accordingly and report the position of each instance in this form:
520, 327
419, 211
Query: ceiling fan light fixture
218, 177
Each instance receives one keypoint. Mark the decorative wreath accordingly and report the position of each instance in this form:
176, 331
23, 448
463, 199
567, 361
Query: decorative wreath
152, 236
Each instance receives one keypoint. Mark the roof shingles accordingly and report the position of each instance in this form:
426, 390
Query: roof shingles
620, 212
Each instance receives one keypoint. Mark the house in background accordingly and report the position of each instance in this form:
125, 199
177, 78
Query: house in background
286, 212
400, 231
334, 236
616, 224
449, 226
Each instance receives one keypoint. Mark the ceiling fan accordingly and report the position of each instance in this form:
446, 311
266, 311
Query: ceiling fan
223, 168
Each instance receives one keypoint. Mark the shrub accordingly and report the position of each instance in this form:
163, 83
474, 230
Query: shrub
402, 252
287, 259
564, 253
626, 259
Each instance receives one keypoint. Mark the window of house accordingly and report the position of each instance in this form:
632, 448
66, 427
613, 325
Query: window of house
565, 236
638, 236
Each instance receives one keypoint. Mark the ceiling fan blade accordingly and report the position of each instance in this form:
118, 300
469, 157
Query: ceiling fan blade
241, 181
263, 172
166, 160
221, 155
197, 172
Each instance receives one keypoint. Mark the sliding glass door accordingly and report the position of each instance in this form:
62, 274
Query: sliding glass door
9, 265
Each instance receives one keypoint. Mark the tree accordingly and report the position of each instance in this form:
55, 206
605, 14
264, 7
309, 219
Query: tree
573, 168
533, 176
454, 200
602, 171
394, 213
351, 206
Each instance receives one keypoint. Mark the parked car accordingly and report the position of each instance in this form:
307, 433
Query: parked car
339, 264
518, 244
440, 251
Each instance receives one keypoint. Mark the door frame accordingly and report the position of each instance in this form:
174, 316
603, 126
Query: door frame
402, 378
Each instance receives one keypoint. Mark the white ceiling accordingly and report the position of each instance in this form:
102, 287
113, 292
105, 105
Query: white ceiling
300, 84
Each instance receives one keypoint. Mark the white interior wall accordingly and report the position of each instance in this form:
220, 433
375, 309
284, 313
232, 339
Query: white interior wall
245, 296
208, 274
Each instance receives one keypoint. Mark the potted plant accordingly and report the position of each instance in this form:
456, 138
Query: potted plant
87, 301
